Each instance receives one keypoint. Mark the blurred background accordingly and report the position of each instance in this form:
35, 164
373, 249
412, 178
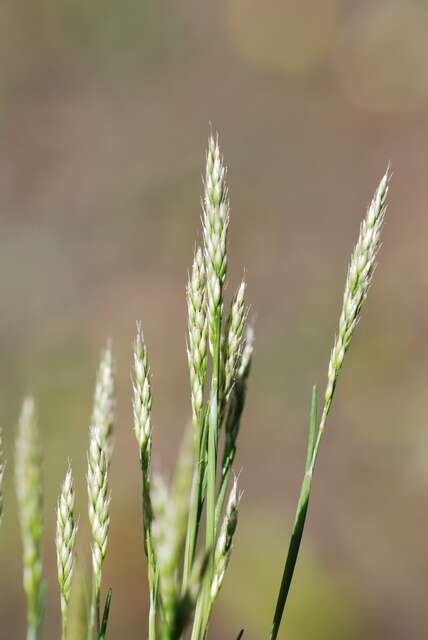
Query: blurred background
105, 110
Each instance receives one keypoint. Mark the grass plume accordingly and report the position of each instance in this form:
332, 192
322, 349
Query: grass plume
104, 409
358, 280
65, 540
99, 518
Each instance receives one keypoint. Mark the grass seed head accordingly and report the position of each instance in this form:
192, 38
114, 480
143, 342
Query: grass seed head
103, 414
234, 338
215, 227
360, 273
197, 332
99, 501
142, 394
65, 540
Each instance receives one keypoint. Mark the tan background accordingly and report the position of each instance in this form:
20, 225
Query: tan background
104, 114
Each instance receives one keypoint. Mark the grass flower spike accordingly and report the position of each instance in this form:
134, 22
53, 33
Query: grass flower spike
234, 339
99, 501
2, 468
360, 273
215, 226
142, 401
65, 540
142, 407
237, 399
29, 491
103, 414
359, 277
197, 329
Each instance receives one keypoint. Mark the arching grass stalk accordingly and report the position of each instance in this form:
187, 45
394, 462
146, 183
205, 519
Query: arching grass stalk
359, 277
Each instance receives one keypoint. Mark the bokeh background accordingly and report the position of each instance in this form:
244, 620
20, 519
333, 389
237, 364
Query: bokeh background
105, 109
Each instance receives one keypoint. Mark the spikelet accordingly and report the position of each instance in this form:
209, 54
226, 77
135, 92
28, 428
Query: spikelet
237, 399
103, 414
247, 353
65, 540
234, 339
142, 395
360, 273
215, 228
197, 333
99, 501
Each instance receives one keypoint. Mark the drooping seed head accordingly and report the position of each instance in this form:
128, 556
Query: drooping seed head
360, 273
99, 501
65, 540
224, 543
215, 227
142, 394
29, 491
234, 338
104, 410
197, 332
2, 468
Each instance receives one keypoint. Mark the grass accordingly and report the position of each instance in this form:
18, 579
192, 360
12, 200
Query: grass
188, 528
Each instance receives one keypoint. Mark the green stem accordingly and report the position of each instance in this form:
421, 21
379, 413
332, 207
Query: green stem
153, 605
63, 628
300, 518
293, 551
196, 499
203, 603
32, 632
95, 609
148, 543
212, 444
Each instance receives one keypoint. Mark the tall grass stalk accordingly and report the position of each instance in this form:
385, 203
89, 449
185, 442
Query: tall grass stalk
185, 572
142, 407
358, 280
